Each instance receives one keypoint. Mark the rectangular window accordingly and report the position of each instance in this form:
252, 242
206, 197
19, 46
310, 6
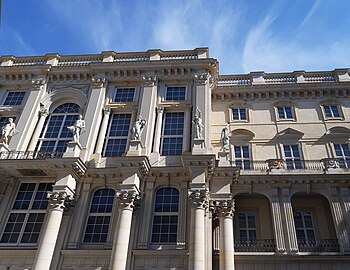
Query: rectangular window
247, 226
342, 152
285, 113
242, 157
14, 98
124, 95
292, 156
304, 228
239, 113
117, 135
165, 219
27, 215
175, 93
172, 133
331, 111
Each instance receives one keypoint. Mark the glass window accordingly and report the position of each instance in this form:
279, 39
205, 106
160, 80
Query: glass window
98, 221
175, 93
285, 113
242, 157
292, 156
342, 152
247, 226
55, 135
27, 215
304, 227
117, 135
172, 134
239, 113
331, 111
14, 98
165, 220
124, 95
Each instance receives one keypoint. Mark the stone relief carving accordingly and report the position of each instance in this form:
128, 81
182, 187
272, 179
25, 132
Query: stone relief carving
127, 199
198, 198
58, 199
137, 128
275, 164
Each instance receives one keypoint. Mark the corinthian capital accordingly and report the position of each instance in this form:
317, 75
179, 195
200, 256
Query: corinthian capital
225, 208
198, 198
58, 199
38, 84
149, 81
127, 198
98, 82
202, 79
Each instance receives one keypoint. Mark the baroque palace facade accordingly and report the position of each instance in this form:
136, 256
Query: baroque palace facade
152, 160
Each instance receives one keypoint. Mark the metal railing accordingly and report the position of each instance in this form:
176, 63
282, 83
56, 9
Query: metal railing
30, 155
324, 245
262, 245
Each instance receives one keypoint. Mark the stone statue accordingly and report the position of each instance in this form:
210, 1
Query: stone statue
8, 130
137, 128
77, 129
198, 125
224, 140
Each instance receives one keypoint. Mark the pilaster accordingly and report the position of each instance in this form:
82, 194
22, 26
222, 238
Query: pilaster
290, 237
277, 220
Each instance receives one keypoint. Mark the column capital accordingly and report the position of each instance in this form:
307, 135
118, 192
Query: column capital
160, 109
149, 81
107, 111
225, 208
58, 200
98, 82
202, 79
38, 84
127, 199
44, 112
198, 198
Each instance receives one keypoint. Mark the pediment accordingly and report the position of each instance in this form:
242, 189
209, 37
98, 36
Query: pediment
241, 135
338, 133
290, 134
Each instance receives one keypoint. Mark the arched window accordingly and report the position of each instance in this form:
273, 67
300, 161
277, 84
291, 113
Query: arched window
55, 135
99, 218
165, 220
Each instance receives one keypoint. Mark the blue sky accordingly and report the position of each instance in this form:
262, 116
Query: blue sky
244, 35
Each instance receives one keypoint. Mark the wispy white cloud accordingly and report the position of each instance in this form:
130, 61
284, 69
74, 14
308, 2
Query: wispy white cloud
12, 42
266, 51
310, 13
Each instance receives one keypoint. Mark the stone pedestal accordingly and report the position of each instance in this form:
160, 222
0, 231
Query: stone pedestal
223, 159
198, 146
135, 148
73, 149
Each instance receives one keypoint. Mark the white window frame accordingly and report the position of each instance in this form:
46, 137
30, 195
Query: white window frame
9, 92
304, 228
175, 86
247, 229
27, 212
285, 114
121, 137
242, 159
344, 160
123, 88
239, 113
166, 136
293, 159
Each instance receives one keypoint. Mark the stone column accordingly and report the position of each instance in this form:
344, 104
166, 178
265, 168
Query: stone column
225, 211
339, 220
103, 130
345, 194
57, 200
34, 140
277, 221
291, 236
199, 201
158, 132
187, 130
126, 203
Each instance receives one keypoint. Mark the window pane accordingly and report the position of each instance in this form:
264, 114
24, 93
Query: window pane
175, 93
119, 125
124, 95
14, 98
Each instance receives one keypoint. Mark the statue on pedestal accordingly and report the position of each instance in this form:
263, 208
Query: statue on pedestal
7, 131
77, 129
224, 140
198, 125
137, 128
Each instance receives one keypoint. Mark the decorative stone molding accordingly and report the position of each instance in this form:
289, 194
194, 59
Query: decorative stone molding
44, 112
225, 208
149, 81
330, 163
201, 79
59, 200
38, 84
127, 199
275, 164
98, 82
199, 198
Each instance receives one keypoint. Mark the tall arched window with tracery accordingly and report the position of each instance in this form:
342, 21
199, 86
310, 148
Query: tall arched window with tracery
55, 135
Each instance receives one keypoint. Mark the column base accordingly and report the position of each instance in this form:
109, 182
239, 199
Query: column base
135, 148
73, 149
223, 159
